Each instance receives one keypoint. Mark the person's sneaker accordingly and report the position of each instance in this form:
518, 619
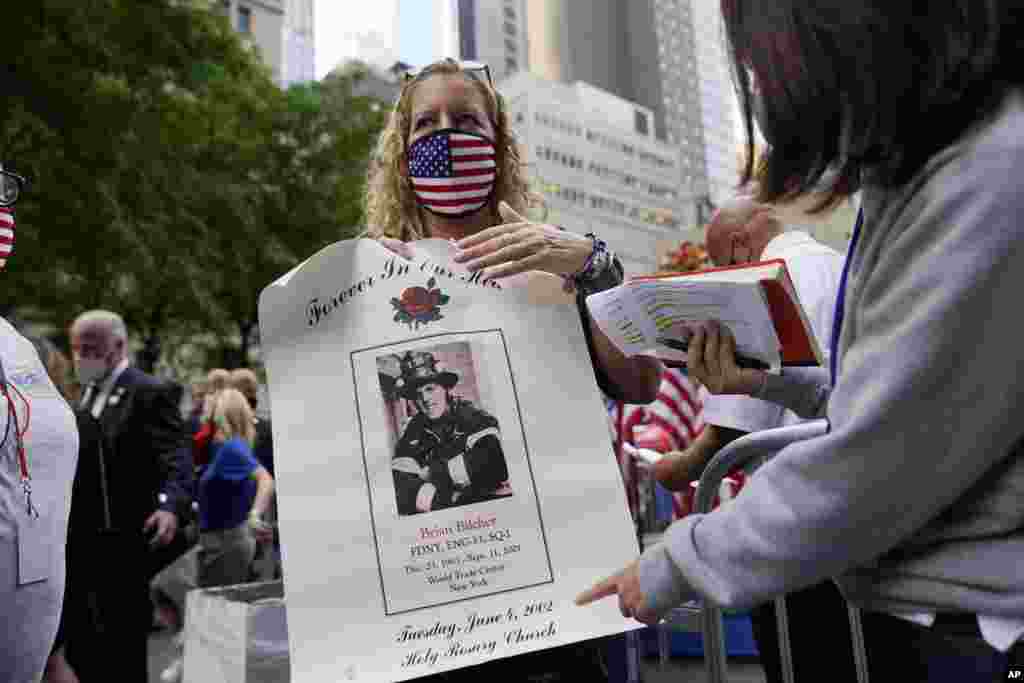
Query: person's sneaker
174, 671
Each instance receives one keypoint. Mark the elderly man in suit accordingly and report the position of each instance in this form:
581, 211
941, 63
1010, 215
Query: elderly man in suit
131, 493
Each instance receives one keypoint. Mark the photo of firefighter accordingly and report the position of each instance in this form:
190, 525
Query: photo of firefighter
447, 449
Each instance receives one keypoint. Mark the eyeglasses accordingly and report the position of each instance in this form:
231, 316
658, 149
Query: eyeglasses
467, 66
11, 185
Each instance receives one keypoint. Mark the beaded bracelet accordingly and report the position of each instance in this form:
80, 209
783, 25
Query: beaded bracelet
594, 264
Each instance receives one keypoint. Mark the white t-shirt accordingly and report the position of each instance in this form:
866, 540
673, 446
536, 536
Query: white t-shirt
815, 270
32, 550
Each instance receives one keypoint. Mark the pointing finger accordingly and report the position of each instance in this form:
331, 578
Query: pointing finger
599, 591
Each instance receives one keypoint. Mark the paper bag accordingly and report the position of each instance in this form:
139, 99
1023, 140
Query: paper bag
236, 634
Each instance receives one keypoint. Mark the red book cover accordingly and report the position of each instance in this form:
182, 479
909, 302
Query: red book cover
791, 326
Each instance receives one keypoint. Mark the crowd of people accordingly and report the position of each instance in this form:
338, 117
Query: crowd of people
909, 504
181, 499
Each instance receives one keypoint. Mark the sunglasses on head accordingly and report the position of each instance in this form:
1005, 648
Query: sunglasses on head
472, 68
11, 185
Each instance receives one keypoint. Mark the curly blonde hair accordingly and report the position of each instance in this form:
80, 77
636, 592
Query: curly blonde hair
390, 205
232, 414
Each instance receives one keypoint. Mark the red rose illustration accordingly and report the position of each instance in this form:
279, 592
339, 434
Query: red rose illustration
419, 305
417, 300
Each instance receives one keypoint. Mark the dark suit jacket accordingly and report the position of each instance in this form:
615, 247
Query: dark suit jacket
145, 453
135, 452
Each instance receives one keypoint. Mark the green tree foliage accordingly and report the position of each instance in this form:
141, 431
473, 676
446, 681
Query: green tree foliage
171, 180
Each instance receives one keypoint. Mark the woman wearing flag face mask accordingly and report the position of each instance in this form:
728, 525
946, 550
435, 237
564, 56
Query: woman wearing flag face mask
447, 166
38, 453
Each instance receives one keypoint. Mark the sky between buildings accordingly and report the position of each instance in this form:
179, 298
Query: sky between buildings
403, 28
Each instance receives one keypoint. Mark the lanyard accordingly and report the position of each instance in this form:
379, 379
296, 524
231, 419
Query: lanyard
19, 437
837, 321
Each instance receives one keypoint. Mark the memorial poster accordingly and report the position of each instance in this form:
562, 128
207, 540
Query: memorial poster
446, 482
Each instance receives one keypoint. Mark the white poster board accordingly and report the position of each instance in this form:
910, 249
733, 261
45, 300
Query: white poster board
378, 586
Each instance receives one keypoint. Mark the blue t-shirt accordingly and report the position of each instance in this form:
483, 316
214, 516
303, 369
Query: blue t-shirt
226, 489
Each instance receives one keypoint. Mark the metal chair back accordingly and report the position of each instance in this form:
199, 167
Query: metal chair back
743, 451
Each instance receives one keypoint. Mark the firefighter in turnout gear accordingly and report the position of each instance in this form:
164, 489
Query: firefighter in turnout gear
450, 453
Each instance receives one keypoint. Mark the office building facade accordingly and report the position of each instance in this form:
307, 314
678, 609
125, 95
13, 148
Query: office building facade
494, 32
594, 171
299, 53
719, 107
642, 51
260, 23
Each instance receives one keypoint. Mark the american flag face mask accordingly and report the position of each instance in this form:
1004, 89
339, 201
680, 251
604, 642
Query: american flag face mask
452, 172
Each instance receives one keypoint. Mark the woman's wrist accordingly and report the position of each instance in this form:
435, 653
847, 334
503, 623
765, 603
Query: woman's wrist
586, 247
590, 277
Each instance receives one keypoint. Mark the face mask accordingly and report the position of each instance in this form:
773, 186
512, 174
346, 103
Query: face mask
6, 235
90, 370
452, 172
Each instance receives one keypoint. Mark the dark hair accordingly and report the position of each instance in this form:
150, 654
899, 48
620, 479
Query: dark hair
875, 86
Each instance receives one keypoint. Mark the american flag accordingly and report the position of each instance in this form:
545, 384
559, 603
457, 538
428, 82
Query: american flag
452, 173
6, 234
677, 412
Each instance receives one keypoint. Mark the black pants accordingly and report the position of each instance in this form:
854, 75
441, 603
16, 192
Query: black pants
107, 610
822, 645
952, 650
576, 663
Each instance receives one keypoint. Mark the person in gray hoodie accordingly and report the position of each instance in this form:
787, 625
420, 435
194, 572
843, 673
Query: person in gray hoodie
913, 499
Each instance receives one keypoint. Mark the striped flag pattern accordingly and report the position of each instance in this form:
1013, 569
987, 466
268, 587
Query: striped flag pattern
677, 413
452, 173
6, 235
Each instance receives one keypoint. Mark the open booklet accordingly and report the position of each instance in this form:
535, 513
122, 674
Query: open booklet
757, 302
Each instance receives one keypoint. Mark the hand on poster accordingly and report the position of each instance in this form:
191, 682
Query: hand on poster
519, 245
625, 584
397, 247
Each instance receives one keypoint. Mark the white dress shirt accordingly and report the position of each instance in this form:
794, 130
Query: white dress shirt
99, 401
815, 270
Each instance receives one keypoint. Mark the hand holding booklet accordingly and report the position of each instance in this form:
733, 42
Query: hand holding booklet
757, 302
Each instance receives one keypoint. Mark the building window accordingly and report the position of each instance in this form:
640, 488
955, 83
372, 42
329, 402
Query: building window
510, 13
244, 20
510, 29
511, 46
511, 65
